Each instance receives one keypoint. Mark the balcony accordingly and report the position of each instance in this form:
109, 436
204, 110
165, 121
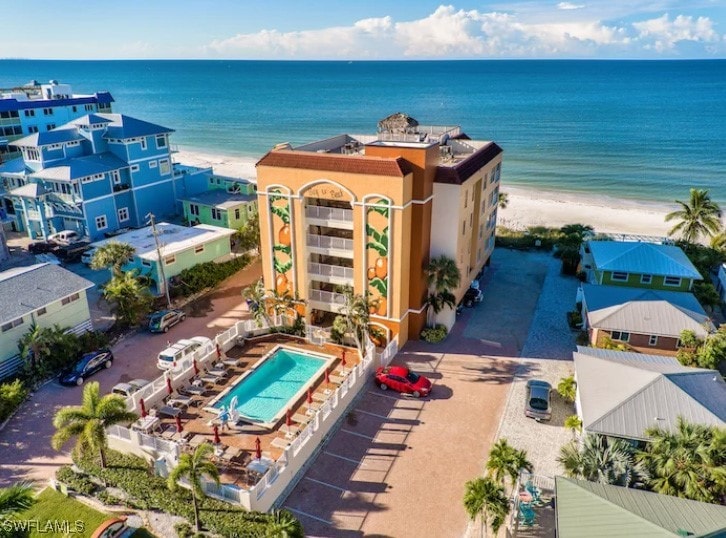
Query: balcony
332, 217
326, 300
332, 274
120, 187
330, 246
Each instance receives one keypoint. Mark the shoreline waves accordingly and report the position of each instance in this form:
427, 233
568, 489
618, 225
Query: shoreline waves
527, 206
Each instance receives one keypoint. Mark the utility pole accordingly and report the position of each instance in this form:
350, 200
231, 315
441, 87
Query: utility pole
155, 233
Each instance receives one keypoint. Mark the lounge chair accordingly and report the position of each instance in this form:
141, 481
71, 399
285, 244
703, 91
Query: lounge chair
169, 411
527, 515
192, 390
301, 419
217, 372
289, 431
279, 442
337, 380
229, 361
534, 491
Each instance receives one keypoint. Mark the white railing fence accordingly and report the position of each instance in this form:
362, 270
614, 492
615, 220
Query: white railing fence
337, 271
329, 213
324, 241
329, 297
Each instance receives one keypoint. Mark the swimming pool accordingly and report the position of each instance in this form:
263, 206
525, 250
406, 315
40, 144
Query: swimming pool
264, 393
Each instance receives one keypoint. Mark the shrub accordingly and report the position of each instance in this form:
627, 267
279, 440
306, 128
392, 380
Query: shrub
567, 388
133, 475
207, 275
11, 396
75, 481
184, 530
106, 498
574, 423
574, 318
583, 338
433, 335
337, 331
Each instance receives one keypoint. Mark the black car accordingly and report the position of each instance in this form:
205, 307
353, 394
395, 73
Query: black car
72, 253
41, 247
87, 365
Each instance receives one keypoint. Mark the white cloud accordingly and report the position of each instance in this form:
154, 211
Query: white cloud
569, 31
566, 6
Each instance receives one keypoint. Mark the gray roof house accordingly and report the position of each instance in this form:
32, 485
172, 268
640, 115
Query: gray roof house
602, 510
622, 394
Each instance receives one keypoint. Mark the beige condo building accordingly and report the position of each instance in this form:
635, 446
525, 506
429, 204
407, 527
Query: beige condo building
370, 211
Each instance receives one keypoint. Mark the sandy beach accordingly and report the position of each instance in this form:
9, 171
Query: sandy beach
527, 206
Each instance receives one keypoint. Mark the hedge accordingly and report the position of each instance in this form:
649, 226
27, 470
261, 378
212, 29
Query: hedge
146, 490
207, 275
434, 335
11, 396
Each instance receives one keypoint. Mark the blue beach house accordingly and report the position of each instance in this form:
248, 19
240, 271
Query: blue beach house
96, 174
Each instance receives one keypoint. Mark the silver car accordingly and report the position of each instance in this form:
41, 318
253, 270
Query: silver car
538, 405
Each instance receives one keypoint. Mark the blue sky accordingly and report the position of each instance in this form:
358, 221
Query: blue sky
370, 29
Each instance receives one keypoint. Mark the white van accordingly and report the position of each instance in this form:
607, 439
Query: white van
171, 356
65, 237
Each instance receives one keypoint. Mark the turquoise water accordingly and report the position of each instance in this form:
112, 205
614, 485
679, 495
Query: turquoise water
634, 129
267, 390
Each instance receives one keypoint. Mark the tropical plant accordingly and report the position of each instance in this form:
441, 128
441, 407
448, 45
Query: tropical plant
113, 255
11, 396
256, 296
131, 298
249, 234
193, 467
505, 461
283, 525
35, 345
706, 294
698, 217
697, 352
689, 462
89, 421
718, 242
606, 461
443, 276
567, 388
606, 342
356, 311
574, 424
484, 499
502, 200
207, 275
435, 302
435, 334
14, 499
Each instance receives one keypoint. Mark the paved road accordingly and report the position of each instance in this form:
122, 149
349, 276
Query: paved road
25, 452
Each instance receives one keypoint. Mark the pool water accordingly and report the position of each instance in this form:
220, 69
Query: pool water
265, 392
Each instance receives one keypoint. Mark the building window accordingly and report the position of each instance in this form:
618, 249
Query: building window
41, 311
50, 127
143, 143
70, 299
123, 213
463, 228
153, 164
619, 276
216, 214
47, 112
101, 223
75, 108
620, 336
11, 324
33, 129
160, 141
88, 108
164, 167
646, 279
146, 263
653, 340
198, 249
169, 260
672, 281
193, 209
236, 213
29, 113
116, 177
134, 167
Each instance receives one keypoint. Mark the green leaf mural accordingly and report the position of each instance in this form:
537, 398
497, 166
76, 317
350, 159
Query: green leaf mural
381, 285
287, 249
282, 212
381, 208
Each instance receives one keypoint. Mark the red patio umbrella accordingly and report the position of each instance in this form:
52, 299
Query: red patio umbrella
288, 419
169, 389
310, 396
196, 368
219, 352
327, 377
143, 408
179, 427
342, 359
217, 440
258, 449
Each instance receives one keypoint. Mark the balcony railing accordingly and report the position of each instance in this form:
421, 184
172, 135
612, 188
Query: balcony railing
328, 297
321, 269
323, 241
329, 213
119, 187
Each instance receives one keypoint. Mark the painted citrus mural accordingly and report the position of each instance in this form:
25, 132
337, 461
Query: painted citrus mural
377, 248
282, 242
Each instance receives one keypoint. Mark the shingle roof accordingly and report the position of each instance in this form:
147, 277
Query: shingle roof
220, 198
351, 164
463, 170
26, 289
56, 136
642, 258
602, 511
622, 394
122, 126
81, 167
643, 311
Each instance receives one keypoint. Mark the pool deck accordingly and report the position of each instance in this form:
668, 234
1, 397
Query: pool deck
197, 421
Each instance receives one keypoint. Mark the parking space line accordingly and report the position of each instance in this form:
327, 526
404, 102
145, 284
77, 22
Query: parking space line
384, 396
357, 462
373, 414
326, 484
358, 434
296, 511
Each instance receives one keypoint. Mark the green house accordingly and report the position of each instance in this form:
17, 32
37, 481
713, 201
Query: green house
44, 295
638, 265
219, 208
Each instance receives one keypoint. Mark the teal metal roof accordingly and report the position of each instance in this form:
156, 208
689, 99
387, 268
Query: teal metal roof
603, 511
642, 258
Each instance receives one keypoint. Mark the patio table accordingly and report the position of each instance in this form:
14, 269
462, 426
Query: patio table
197, 440
231, 453
259, 466
146, 424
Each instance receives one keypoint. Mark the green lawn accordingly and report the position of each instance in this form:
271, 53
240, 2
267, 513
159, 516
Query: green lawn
53, 510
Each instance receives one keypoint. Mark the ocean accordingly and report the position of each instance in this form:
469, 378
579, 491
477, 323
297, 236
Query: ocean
642, 130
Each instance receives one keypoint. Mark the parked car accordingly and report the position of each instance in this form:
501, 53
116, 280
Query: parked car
72, 253
87, 255
538, 404
170, 357
472, 296
127, 389
403, 380
87, 365
41, 247
64, 237
163, 320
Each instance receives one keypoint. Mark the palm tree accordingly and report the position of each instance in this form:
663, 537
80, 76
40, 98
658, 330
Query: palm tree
485, 499
35, 344
283, 525
193, 467
281, 303
700, 216
689, 462
611, 462
132, 298
14, 499
502, 200
505, 461
718, 242
436, 302
567, 388
574, 424
256, 295
113, 255
442, 274
356, 311
88, 422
